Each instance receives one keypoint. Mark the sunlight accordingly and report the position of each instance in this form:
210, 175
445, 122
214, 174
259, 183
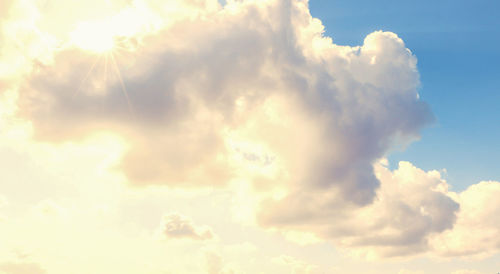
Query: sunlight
94, 37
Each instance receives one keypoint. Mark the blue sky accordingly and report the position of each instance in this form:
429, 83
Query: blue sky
456, 43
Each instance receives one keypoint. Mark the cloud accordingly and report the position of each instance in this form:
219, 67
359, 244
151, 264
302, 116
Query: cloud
414, 212
410, 206
21, 268
205, 95
176, 226
254, 91
199, 97
297, 266
215, 263
477, 230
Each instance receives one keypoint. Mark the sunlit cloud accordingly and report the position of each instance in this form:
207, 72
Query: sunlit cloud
244, 116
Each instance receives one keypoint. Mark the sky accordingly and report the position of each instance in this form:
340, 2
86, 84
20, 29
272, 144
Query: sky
249, 136
455, 43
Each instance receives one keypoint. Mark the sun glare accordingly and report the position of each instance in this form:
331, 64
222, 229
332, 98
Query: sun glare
95, 37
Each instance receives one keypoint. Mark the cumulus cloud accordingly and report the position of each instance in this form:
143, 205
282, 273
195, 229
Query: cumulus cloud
200, 96
414, 212
205, 94
411, 205
477, 230
176, 226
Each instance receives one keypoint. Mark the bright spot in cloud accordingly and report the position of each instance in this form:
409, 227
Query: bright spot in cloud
93, 36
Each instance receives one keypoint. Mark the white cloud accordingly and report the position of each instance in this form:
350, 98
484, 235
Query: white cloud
204, 95
411, 205
414, 212
477, 230
176, 226
200, 96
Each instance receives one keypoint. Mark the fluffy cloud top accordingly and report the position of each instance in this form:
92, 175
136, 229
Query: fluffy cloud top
411, 206
414, 212
477, 230
190, 99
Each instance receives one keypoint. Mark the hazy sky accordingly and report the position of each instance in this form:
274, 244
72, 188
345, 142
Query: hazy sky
249, 136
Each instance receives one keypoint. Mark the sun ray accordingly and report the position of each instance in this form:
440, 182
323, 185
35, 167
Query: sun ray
106, 69
119, 45
86, 77
121, 51
120, 79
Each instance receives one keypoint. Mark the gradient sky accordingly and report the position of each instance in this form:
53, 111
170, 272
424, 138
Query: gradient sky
249, 136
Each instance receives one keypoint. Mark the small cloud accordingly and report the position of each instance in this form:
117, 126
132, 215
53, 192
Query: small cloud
177, 226
297, 266
215, 264
21, 267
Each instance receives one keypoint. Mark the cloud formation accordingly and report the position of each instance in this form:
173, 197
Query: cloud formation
411, 205
476, 232
195, 98
176, 226
205, 95
414, 212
